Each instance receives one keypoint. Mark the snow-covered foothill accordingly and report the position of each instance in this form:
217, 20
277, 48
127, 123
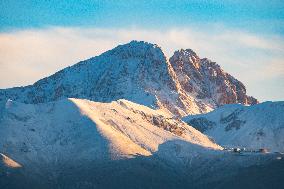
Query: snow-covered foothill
55, 131
254, 127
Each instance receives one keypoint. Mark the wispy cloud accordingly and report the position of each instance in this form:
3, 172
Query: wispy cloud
29, 55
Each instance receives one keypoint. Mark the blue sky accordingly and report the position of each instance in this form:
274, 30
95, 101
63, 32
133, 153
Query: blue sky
264, 15
244, 37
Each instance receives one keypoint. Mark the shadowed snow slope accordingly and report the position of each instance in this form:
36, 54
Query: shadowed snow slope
139, 72
53, 132
254, 127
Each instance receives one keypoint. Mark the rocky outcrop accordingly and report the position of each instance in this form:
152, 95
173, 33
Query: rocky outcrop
206, 81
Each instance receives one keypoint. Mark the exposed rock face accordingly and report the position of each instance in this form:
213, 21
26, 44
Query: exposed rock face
205, 80
140, 72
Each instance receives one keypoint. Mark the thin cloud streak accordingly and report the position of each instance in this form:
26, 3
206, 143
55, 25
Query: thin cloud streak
29, 55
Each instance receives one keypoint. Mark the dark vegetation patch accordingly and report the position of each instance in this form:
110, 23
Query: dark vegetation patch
235, 124
201, 124
232, 121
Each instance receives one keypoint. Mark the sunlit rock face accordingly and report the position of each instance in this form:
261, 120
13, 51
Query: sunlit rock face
206, 81
140, 72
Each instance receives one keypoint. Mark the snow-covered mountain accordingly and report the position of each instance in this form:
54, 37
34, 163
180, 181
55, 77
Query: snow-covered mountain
139, 72
236, 125
110, 122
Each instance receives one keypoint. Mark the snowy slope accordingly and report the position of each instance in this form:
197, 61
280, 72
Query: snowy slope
137, 71
54, 131
253, 127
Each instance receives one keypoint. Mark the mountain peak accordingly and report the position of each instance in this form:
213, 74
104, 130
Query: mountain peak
188, 52
187, 56
137, 49
142, 43
139, 44
205, 80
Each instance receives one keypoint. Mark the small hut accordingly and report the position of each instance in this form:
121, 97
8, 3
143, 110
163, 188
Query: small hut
263, 150
238, 150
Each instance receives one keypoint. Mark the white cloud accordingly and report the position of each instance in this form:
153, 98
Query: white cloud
29, 55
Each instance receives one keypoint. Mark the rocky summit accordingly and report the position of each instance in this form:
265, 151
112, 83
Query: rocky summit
206, 81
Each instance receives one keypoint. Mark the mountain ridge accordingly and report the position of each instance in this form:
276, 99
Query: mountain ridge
206, 80
136, 71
